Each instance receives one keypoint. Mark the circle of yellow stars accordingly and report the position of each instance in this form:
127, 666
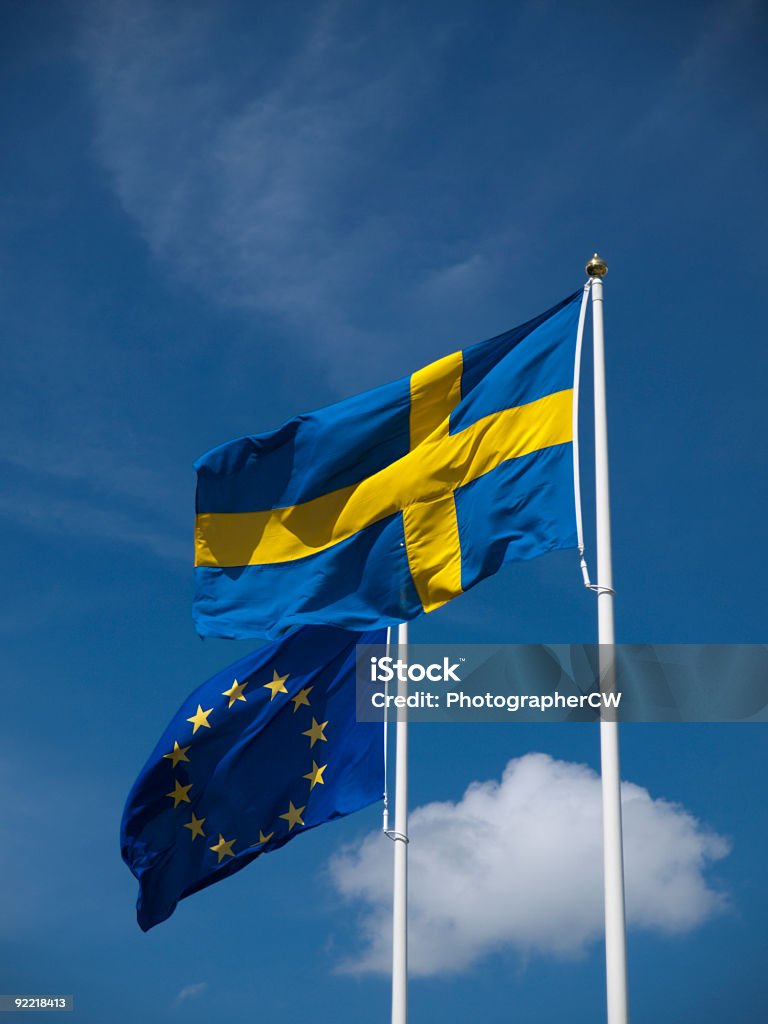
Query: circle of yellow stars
199, 720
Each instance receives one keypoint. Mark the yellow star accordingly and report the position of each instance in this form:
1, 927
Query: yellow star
200, 718
223, 848
177, 754
263, 839
235, 692
293, 815
277, 685
179, 795
316, 733
302, 697
195, 826
315, 776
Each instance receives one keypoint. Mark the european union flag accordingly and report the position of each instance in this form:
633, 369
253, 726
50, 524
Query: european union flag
393, 502
260, 753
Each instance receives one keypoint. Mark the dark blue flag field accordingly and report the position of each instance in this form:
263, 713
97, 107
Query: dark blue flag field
266, 749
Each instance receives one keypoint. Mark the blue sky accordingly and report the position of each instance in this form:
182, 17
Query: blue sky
215, 216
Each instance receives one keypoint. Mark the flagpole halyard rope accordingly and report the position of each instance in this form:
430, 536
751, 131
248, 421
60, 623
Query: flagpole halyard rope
576, 469
596, 588
385, 815
390, 833
394, 835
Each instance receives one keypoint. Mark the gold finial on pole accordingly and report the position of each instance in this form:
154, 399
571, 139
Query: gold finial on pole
596, 267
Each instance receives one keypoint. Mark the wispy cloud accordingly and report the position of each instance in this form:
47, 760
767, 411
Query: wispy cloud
36, 507
75, 485
708, 62
287, 187
459, 278
84, 449
517, 864
248, 191
190, 992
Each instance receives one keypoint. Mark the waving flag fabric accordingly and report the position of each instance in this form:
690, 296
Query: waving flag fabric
393, 502
265, 750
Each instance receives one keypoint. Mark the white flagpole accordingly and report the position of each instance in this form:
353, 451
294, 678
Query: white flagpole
613, 861
400, 837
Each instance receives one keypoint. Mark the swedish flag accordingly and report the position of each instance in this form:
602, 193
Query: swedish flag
265, 750
392, 502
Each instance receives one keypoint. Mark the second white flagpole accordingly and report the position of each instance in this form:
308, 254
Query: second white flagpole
613, 858
400, 837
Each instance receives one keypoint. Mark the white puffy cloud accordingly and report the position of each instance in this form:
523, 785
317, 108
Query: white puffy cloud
518, 863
